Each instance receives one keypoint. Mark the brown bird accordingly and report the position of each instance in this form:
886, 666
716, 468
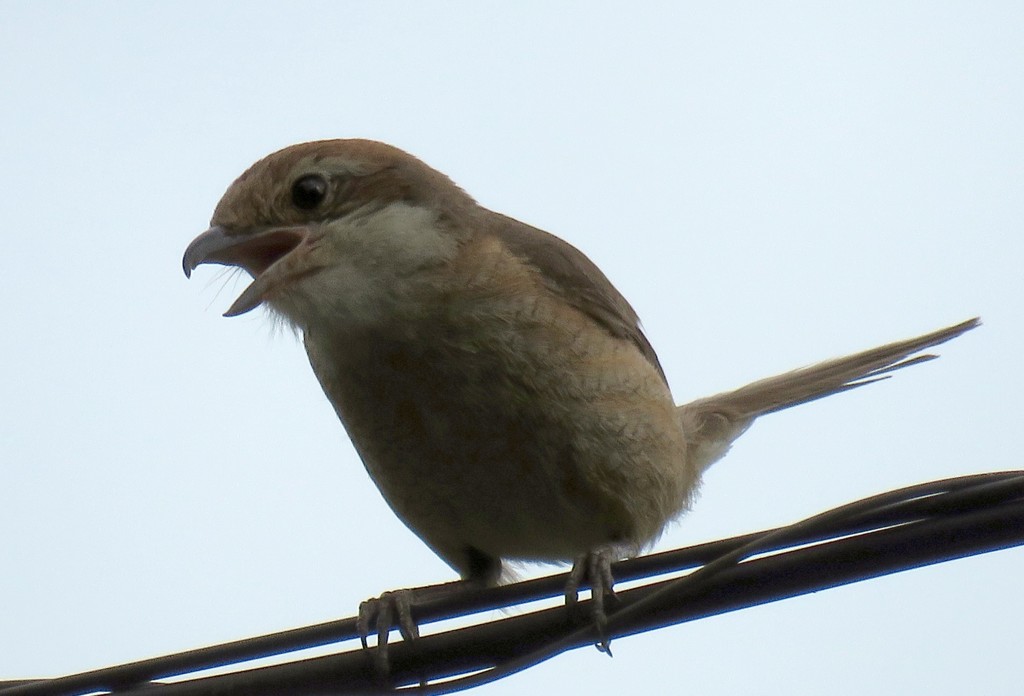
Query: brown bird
497, 387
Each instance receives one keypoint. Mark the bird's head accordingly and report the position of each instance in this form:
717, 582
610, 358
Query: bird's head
341, 218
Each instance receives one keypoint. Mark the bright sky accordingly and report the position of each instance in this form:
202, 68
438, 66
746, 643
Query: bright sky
769, 184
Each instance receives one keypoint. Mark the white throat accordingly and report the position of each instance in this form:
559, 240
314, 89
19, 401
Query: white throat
381, 260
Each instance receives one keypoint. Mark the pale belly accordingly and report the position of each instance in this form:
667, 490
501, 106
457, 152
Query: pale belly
480, 452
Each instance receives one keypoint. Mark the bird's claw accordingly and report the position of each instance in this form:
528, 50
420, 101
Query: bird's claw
594, 568
381, 613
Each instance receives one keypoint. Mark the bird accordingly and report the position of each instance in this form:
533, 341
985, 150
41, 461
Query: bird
498, 388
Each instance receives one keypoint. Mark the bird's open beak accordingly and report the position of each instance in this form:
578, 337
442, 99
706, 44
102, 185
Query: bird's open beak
272, 257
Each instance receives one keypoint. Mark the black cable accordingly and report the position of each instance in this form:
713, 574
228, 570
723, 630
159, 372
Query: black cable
971, 514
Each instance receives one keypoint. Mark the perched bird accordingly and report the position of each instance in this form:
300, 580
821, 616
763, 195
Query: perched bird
497, 387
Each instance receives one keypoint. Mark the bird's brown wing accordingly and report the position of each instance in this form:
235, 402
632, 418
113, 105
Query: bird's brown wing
576, 278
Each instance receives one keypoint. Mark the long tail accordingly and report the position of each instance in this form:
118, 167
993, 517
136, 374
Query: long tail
713, 423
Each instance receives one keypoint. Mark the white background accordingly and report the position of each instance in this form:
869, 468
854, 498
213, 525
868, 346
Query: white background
769, 184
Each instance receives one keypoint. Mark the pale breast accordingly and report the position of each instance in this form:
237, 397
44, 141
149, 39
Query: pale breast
511, 425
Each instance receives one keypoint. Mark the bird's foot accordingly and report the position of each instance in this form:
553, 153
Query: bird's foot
594, 569
393, 609
381, 614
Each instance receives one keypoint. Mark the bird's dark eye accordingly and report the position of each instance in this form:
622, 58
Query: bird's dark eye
309, 191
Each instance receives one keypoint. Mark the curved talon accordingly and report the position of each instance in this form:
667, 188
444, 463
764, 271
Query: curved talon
367, 613
594, 568
572, 586
381, 613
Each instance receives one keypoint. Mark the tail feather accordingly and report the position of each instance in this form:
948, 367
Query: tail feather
712, 423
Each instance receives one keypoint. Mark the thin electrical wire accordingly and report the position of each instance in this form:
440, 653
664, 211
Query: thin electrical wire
928, 523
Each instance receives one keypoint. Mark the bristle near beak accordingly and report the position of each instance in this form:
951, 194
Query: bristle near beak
270, 256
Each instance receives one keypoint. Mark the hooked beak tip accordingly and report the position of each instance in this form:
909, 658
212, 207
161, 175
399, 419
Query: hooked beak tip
203, 248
